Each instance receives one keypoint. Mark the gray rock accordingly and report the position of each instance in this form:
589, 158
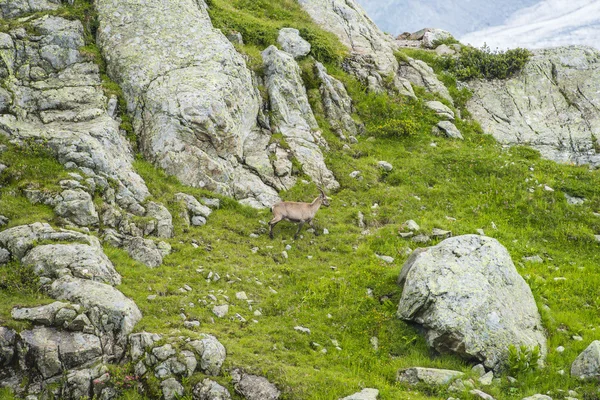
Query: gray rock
587, 365
221, 310
481, 394
235, 38
538, 397
4, 256
445, 50
291, 42
212, 354
7, 346
253, 387
163, 220
62, 106
212, 203
80, 323
479, 370
43, 315
365, 394
411, 225
210, 390
171, 389
551, 105
419, 73
371, 52
81, 260
77, 207
574, 200
144, 251
337, 104
51, 351
450, 130
386, 166
163, 352
120, 314
386, 259
534, 259
441, 109
486, 379
140, 342
293, 117
469, 298
64, 316
431, 36
429, 376
3, 221
200, 134
15, 8
198, 221
78, 385
20, 239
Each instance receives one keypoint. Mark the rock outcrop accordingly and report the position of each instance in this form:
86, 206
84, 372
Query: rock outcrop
468, 296
293, 117
552, 105
253, 387
89, 327
192, 97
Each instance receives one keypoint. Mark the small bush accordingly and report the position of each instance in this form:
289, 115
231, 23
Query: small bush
485, 63
522, 359
17, 278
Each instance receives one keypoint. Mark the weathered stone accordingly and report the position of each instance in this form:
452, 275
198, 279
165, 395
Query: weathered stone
51, 351
432, 36
587, 365
40, 315
83, 261
144, 251
441, 109
551, 105
191, 95
64, 316
471, 301
538, 397
163, 218
291, 42
337, 104
429, 376
7, 346
15, 8
4, 256
254, 387
365, 394
78, 385
293, 117
80, 323
140, 342
163, 352
386, 166
221, 310
210, 390
212, 354
450, 130
77, 207
481, 395
419, 73
171, 389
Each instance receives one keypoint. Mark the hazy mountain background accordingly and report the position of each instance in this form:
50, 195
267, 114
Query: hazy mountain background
503, 23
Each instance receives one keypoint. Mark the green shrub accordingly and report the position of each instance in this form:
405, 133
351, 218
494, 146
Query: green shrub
17, 278
485, 63
447, 41
522, 359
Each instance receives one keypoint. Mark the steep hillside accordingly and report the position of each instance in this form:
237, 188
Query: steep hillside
134, 174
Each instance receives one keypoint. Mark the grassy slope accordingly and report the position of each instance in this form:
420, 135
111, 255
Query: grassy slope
475, 181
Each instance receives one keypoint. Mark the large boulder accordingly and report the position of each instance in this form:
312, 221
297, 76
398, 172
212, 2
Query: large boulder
587, 365
191, 95
290, 41
212, 354
210, 390
253, 387
468, 296
293, 117
551, 105
80, 260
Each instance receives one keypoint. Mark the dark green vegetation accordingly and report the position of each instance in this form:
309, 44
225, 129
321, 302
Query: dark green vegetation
325, 281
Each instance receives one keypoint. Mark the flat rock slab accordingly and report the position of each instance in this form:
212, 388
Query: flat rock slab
468, 296
365, 394
429, 376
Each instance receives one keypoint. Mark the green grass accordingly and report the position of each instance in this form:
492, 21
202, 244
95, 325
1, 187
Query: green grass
323, 284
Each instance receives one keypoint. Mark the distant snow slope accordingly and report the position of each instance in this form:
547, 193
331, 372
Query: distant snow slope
457, 16
502, 23
549, 23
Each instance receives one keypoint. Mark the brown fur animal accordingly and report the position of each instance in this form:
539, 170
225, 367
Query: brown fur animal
297, 212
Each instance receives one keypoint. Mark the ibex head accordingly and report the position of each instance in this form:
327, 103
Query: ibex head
324, 198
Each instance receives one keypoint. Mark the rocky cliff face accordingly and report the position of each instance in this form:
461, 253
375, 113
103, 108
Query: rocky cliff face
553, 105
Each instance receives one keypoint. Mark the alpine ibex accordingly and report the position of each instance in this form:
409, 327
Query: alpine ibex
299, 213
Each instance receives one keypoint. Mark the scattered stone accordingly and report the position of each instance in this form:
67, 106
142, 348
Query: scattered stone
210, 390
374, 343
441, 109
440, 233
354, 174
577, 338
406, 235
290, 41
253, 387
560, 349
221, 311
533, 259
450, 130
302, 329
171, 389
480, 232
548, 188
365, 394
587, 365
361, 220
481, 394
479, 370
486, 379
386, 166
191, 324
480, 305
429, 376
411, 225
576, 201
325, 231
241, 296
386, 259
421, 239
